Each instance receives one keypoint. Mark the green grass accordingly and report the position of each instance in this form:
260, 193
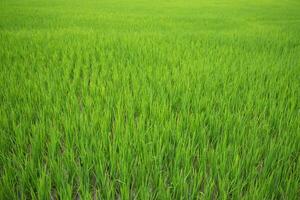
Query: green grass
149, 99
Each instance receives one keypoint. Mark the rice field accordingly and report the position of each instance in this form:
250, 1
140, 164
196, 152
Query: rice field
140, 99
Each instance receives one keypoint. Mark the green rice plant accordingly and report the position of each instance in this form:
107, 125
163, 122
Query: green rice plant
149, 99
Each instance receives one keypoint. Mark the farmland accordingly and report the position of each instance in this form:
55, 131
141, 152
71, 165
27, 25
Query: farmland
137, 99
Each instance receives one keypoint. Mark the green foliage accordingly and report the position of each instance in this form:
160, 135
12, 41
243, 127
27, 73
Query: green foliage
149, 99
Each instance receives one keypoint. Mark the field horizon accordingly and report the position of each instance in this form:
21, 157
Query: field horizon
136, 99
